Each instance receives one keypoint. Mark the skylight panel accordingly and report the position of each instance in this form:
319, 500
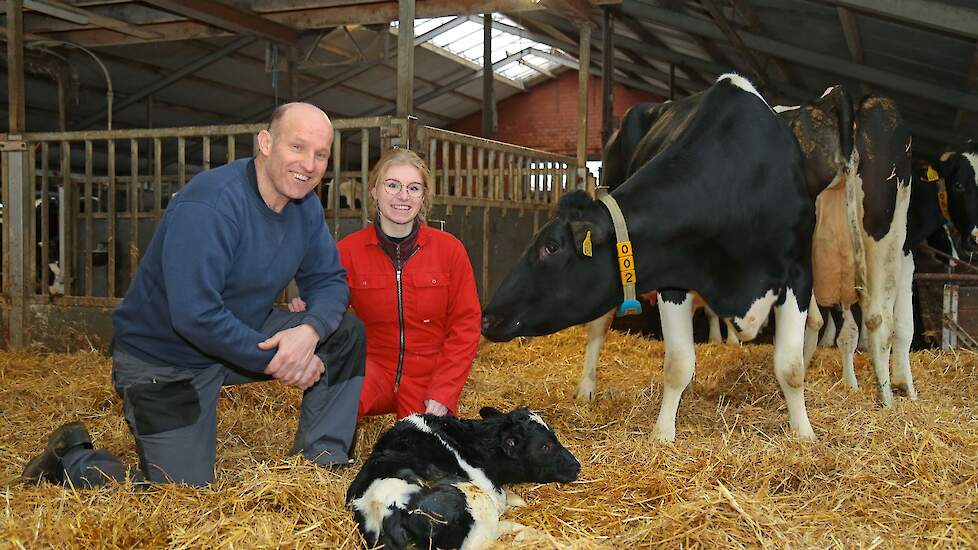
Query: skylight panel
466, 41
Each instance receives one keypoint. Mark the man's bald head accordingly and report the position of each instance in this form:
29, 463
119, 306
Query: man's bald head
287, 112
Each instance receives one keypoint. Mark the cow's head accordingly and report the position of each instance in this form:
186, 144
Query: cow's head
960, 173
554, 284
529, 449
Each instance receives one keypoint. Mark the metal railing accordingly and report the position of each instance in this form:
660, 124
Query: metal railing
471, 167
79, 208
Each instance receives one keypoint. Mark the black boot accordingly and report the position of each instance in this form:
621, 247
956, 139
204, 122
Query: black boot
47, 465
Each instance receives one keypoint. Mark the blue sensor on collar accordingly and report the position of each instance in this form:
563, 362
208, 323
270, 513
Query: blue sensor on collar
629, 307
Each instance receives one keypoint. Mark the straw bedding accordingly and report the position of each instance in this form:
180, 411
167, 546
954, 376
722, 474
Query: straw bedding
734, 478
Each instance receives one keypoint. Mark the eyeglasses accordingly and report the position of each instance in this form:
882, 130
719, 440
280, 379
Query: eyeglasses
393, 187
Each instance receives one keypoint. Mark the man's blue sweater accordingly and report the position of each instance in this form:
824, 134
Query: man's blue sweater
217, 262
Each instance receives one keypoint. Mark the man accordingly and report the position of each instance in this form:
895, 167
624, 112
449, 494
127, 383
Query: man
199, 316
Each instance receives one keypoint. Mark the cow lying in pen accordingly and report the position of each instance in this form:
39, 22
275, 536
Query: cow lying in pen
437, 481
722, 210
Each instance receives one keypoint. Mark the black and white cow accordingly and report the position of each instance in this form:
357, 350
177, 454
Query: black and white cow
959, 171
438, 482
722, 210
878, 199
626, 151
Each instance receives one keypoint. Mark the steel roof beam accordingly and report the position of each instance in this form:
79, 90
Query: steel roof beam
797, 54
938, 16
167, 81
230, 18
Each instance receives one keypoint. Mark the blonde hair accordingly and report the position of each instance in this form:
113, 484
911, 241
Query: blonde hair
400, 157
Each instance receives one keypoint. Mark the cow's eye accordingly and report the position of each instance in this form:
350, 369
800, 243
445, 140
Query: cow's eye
551, 247
545, 448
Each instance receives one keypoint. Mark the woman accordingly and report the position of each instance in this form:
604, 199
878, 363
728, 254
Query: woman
413, 287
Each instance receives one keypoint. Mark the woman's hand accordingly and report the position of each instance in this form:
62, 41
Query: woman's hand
297, 305
435, 408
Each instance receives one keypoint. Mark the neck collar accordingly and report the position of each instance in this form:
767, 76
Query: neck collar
626, 259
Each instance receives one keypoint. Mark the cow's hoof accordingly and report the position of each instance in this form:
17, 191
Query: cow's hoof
585, 395
665, 435
886, 396
906, 390
851, 384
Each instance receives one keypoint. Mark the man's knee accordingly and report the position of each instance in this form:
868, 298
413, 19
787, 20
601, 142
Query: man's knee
347, 346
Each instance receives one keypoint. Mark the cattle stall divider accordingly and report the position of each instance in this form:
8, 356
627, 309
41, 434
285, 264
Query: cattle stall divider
79, 208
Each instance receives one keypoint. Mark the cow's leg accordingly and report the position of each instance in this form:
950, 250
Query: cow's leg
903, 330
789, 362
675, 310
813, 323
828, 337
731, 333
715, 335
848, 338
597, 332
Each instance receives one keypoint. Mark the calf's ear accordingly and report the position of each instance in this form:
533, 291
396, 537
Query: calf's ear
511, 443
489, 412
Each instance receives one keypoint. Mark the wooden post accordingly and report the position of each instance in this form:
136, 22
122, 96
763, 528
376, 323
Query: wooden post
489, 121
607, 75
582, 81
292, 76
17, 212
405, 58
15, 67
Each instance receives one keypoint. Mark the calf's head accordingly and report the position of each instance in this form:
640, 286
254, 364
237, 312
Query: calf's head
555, 285
530, 450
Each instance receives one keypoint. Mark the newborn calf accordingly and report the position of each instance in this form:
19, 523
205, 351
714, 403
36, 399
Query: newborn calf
437, 482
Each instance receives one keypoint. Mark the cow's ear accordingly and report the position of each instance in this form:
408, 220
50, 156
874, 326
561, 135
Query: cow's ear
586, 236
489, 412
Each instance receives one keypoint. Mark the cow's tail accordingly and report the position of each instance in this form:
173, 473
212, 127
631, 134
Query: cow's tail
854, 197
847, 126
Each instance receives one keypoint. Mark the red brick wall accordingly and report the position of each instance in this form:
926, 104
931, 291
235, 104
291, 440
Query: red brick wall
545, 116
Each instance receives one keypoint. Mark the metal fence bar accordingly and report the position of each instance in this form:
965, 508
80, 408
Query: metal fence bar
459, 184
30, 250
469, 189
364, 176
446, 188
111, 213
207, 152
69, 209
89, 268
133, 208
181, 162
45, 206
157, 180
335, 186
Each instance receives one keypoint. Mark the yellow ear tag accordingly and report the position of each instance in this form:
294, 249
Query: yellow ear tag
932, 174
587, 244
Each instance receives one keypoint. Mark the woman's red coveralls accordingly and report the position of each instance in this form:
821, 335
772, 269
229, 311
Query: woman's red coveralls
422, 324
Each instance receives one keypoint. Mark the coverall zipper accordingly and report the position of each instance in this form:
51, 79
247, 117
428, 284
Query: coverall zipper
400, 315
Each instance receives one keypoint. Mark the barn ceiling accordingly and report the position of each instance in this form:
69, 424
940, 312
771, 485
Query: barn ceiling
190, 62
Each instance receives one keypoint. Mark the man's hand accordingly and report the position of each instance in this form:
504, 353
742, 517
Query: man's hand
295, 363
435, 408
297, 305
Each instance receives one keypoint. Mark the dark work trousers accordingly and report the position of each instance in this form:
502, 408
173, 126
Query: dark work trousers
172, 411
